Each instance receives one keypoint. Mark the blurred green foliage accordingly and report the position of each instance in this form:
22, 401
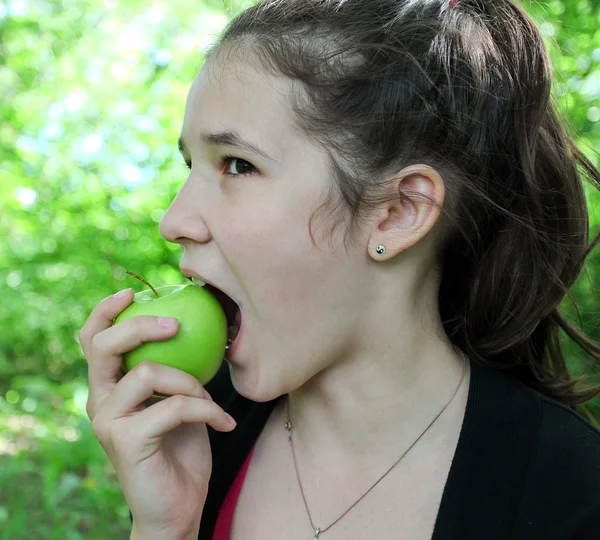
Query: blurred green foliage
93, 96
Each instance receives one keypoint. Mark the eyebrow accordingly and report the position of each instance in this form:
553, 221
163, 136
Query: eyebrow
226, 138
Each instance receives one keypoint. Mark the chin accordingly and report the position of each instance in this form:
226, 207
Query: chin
248, 384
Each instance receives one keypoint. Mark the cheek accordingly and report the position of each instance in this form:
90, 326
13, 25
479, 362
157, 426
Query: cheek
275, 262
276, 276
283, 298
249, 244
252, 246
265, 237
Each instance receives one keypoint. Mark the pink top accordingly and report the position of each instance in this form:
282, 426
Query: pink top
223, 525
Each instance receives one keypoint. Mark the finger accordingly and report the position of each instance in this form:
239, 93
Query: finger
109, 346
165, 416
156, 397
102, 318
146, 379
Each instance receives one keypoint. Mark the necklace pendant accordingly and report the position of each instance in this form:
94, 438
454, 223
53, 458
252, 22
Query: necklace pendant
317, 533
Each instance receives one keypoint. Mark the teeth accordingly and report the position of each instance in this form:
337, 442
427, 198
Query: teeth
230, 339
232, 332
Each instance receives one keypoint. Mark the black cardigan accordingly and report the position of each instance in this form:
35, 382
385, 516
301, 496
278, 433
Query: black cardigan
525, 468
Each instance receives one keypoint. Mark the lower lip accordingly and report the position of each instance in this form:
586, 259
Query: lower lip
233, 348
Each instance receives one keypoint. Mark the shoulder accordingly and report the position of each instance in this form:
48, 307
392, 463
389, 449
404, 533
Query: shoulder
566, 436
562, 488
553, 430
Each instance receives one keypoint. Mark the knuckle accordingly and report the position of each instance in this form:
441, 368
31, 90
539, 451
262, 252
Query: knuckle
96, 344
98, 428
145, 371
214, 410
89, 409
143, 327
82, 335
178, 403
147, 323
139, 323
197, 388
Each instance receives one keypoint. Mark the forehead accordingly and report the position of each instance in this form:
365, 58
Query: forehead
237, 94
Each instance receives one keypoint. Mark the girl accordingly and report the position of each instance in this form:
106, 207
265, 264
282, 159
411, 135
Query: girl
384, 190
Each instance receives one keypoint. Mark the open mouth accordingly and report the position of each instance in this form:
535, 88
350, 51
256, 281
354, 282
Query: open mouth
230, 307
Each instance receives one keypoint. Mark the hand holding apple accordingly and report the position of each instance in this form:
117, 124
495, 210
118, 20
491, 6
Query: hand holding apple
198, 347
148, 442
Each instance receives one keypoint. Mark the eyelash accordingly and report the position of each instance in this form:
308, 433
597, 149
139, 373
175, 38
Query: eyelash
225, 159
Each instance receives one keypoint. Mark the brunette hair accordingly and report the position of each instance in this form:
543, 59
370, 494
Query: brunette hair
464, 86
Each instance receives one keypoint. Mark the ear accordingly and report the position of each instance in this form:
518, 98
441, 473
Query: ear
401, 223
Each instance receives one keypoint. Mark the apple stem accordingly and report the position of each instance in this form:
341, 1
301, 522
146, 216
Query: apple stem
143, 281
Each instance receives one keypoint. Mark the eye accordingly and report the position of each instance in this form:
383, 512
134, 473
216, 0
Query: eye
239, 167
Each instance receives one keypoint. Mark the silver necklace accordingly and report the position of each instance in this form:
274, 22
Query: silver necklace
288, 426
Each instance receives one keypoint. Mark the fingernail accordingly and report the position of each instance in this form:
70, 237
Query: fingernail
167, 322
122, 293
231, 420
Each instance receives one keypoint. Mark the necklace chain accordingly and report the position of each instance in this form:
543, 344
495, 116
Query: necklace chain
288, 426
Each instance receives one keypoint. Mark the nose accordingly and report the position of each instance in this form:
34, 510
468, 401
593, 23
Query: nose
183, 221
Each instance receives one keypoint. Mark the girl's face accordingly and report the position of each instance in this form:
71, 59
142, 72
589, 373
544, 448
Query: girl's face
242, 221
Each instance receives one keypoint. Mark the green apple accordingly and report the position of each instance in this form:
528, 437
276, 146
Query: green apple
199, 345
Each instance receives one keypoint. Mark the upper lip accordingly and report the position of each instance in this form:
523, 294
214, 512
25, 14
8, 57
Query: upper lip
190, 273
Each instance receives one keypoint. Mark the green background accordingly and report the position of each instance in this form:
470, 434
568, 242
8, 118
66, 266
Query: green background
93, 96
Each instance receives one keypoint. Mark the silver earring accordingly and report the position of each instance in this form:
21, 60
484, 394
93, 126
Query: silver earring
380, 249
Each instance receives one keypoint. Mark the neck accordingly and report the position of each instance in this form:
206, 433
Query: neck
396, 372
379, 400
